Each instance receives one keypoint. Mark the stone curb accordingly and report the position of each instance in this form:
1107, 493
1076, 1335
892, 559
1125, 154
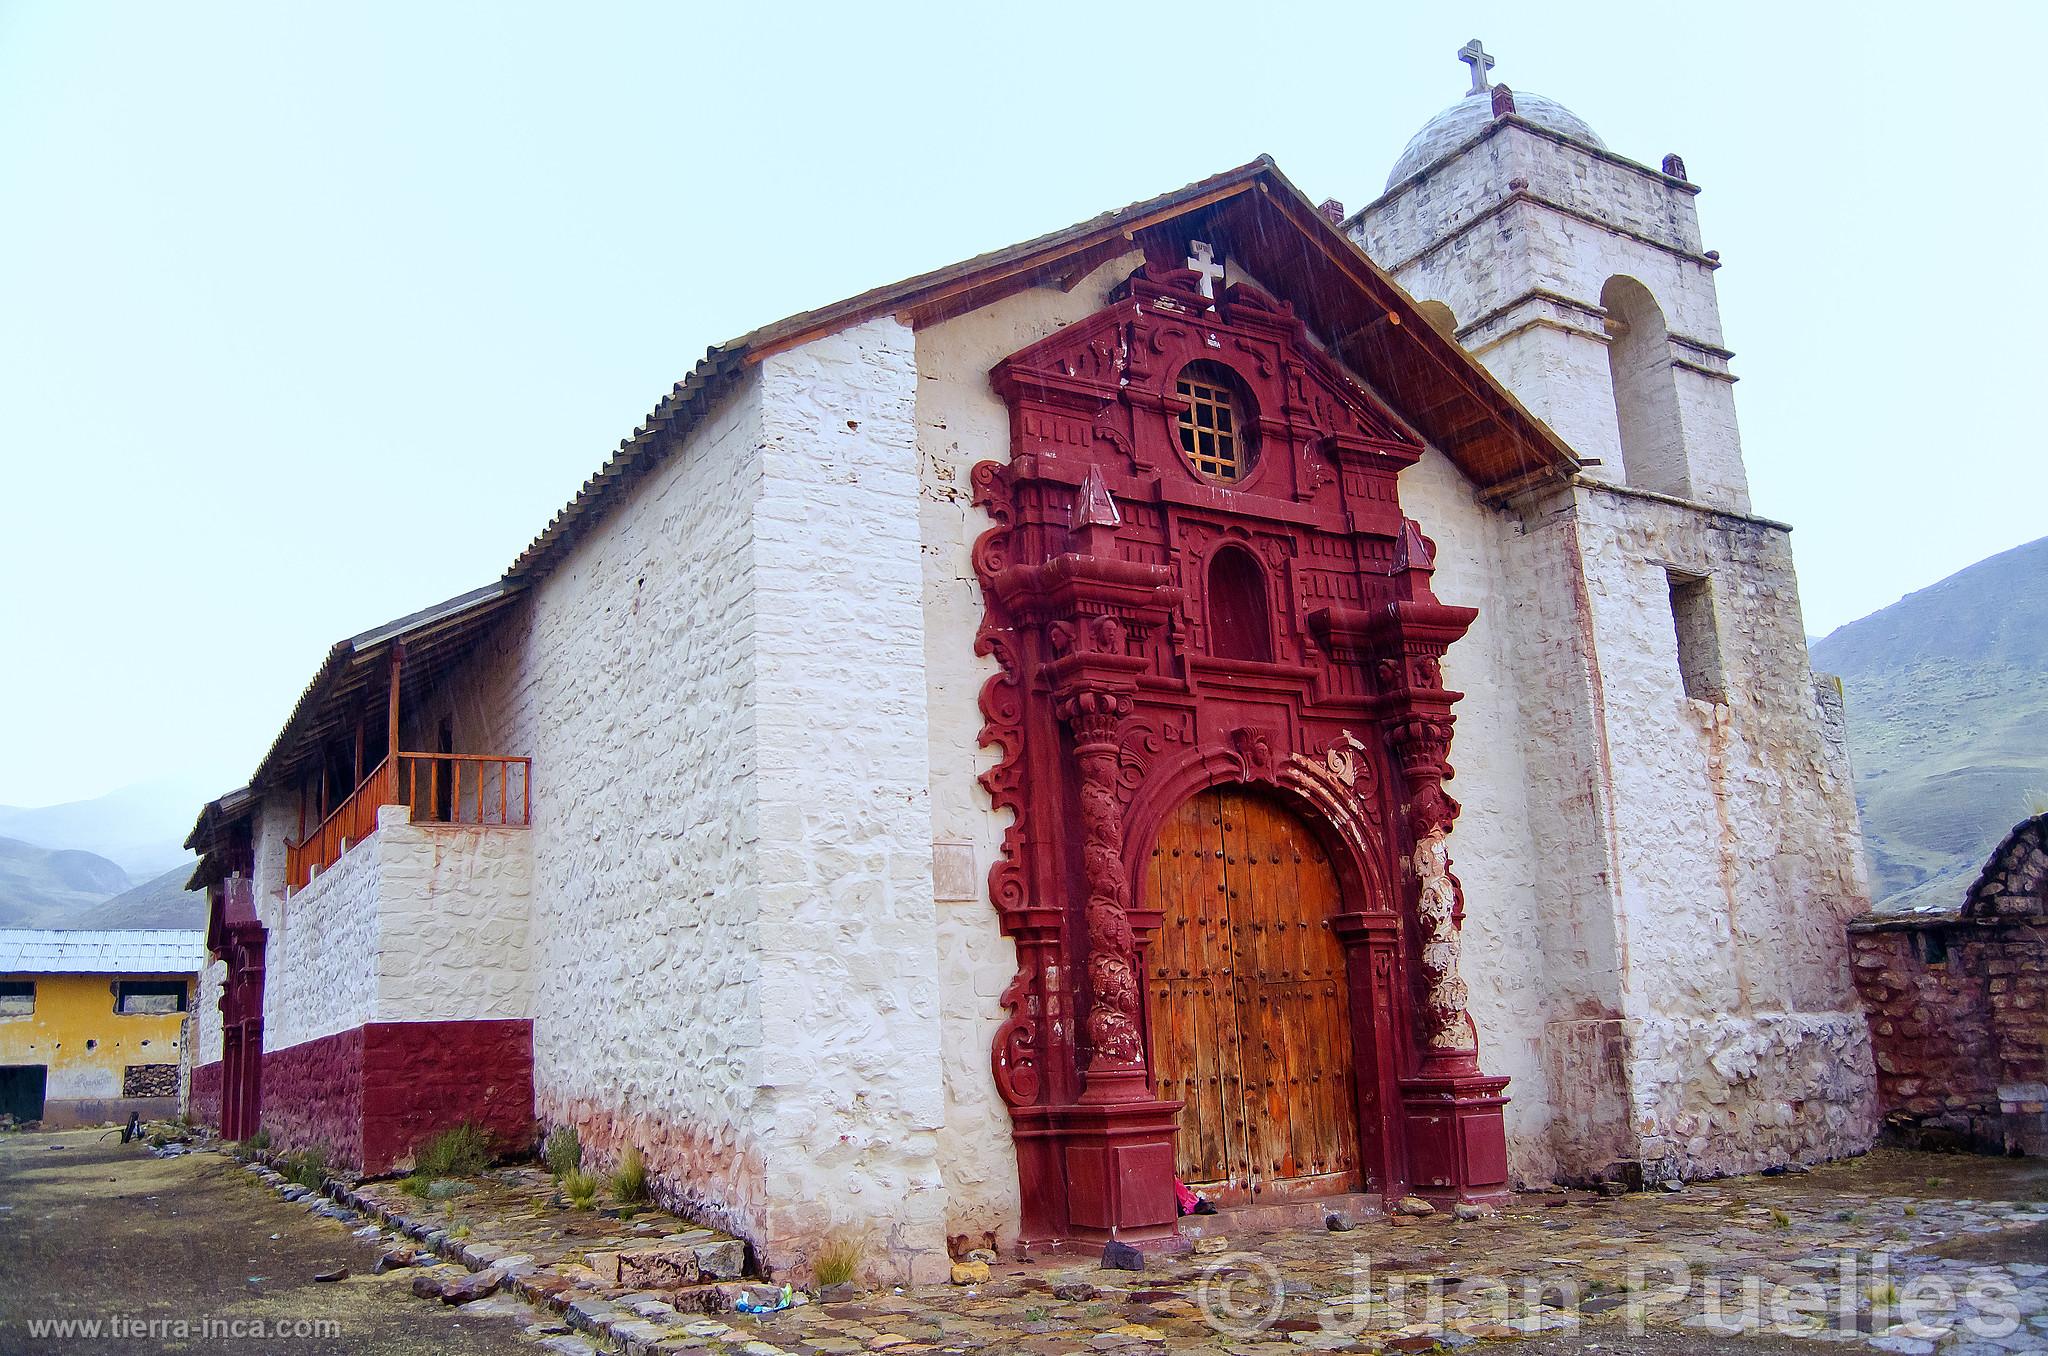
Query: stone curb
625, 1328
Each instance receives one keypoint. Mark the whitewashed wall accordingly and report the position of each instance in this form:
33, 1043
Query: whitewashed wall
1736, 852
206, 1019
850, 1099
629, 679
416, 923
321, 955
960, 422
1518, 236
722, 691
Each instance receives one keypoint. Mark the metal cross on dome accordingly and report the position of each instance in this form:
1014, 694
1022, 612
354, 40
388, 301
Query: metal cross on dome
1474, 55
1203, 261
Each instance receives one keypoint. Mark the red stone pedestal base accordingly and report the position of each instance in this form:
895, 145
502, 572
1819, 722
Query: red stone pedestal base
1457, 1137
1094, 1173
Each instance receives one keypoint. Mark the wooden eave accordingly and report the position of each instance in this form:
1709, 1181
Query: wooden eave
352, 683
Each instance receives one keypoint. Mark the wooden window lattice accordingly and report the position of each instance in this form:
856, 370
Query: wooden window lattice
1208, 429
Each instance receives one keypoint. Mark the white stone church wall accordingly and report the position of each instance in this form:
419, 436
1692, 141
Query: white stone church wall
960, 422
206, 1019
722, 691
1512, 903
628, 679
1736, 852
849, 1098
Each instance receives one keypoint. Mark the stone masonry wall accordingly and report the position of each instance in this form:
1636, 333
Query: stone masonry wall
629, 680
1519, 236
1958, 1007
1736, 851
1936, 1052
849, 1099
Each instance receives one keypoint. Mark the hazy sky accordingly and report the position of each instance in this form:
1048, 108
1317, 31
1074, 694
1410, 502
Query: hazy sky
312, 315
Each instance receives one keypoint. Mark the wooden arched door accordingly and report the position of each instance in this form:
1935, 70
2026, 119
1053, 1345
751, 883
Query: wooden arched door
1251, 1011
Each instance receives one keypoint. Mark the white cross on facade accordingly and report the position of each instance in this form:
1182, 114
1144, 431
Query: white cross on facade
1203, 261
1474, 55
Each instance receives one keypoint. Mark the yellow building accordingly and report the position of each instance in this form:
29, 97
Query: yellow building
93, 1024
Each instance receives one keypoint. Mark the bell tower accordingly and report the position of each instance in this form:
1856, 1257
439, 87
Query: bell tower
1576, 275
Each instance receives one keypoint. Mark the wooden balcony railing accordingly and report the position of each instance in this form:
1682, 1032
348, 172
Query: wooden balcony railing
466, 788
439, 788
350, 823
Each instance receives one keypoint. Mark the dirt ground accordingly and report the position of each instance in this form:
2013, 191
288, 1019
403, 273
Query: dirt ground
100, 1232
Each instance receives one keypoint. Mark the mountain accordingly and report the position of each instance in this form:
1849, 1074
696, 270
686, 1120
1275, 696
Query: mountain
160, 903
45, 887
1948, 722
140, 827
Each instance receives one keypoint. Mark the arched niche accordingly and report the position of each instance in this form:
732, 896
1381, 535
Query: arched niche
1240, 612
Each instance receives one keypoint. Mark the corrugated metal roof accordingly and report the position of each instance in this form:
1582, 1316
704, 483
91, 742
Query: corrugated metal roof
126, 951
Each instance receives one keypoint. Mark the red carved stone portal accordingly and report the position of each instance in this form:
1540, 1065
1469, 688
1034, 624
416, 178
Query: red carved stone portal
1162, 629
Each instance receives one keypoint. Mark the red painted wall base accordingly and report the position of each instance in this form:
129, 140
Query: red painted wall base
203, 1104
372, 1095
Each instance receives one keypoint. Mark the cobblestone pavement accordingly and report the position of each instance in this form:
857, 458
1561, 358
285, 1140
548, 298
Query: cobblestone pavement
1895, 1252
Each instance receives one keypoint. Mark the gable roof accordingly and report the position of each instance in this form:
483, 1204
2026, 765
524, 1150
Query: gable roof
1257, 214
1370, 323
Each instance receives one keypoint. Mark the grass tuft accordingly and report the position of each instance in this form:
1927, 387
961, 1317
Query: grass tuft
308, 1167
629, 1179
581, 1188
563, 1151
838, 1261
459, 1151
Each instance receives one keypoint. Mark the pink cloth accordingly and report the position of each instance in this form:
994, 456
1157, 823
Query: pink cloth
1188, 1199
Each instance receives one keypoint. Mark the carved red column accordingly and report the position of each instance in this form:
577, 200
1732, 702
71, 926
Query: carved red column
1457, 1132
1109, 1150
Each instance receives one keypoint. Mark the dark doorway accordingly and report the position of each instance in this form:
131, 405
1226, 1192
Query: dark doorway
21, 1090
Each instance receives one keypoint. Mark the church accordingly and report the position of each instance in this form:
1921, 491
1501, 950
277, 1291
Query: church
1230, 691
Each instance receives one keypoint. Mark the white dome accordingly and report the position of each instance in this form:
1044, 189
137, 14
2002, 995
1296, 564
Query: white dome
1468, 117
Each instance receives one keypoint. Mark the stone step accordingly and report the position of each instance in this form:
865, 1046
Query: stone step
1283, 1216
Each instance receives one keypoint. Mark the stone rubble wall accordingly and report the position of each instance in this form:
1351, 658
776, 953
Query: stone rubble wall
1958, 1008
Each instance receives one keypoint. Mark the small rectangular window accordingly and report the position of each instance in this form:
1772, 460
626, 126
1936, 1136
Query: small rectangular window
1931, 946
149, 996
1699, 637
17, 997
